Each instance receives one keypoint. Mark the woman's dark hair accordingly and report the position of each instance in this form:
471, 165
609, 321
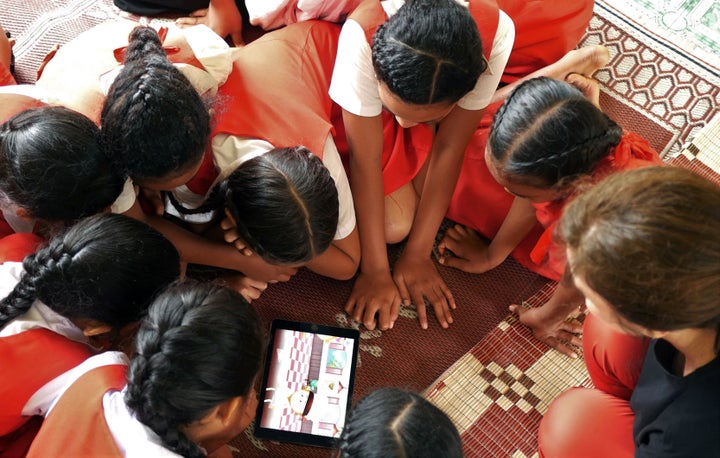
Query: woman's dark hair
106, 267
396, 423
548, 134
284, 202
154, 123
200, 345
52, 165
648, 242
429, 52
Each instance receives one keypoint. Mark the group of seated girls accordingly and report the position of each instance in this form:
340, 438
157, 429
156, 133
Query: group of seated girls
319, 141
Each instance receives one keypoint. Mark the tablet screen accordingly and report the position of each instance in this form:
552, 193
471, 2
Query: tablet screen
307, 384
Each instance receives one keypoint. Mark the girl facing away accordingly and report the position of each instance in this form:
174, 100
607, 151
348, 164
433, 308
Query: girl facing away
187, 391
547, 144
396, 423
643, 246
81, 293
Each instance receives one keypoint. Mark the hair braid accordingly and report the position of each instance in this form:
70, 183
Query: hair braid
200, 345
546, 131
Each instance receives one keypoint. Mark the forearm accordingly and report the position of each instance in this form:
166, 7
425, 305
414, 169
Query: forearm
565, 298
364, 137
516, 226
445, 162
341, 260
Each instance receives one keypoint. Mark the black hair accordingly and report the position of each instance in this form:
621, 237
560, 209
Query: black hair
106, 267
200, 345
52, 165
397, 423
154, 123
428, 52
285, 204
548, 134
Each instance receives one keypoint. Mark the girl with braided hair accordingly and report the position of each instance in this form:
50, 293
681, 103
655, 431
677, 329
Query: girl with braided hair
82, 292
413, 79
548, 143
643, 246
274, 99
395, 423
188, 390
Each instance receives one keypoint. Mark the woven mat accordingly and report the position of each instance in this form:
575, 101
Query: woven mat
498, 391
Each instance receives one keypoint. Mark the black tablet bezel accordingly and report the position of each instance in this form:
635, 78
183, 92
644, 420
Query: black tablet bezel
298, 437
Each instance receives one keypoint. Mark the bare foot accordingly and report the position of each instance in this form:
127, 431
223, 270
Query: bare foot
471, 252
585, 61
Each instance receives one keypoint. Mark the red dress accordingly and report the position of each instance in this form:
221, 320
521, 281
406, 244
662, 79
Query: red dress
632, 152
545, 30
277, 92
405, 150
28, 361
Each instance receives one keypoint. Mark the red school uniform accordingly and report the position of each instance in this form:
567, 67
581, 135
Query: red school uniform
28, 361
285, 104
79, 412
632, 152
406, 150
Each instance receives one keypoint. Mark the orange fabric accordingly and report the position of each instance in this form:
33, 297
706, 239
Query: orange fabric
12, 104
588, 423
6, 78
80, 410
14, 247
278, 90
632, 152
28, 361
545, 30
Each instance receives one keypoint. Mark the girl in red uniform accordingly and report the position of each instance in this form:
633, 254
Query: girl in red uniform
261, 107
425, 63
67, 300
644, 248
188, 390
547, 143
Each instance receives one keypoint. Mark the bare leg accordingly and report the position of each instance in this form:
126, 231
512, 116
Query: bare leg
400, 208
582, 61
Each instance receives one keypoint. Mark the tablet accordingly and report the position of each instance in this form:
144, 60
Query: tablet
307, 384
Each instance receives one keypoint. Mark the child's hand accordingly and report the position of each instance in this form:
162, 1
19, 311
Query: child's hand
417, 278
587, 85
471, 252
222, 16
232, 237
247, 287
374, 295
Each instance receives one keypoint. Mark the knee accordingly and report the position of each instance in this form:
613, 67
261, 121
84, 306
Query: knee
400, 207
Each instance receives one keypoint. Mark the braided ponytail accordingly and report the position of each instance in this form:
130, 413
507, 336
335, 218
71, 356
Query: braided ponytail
154, 123
547, 132
200, 345
107, 268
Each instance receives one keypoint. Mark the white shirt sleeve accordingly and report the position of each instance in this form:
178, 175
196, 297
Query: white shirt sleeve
354, 85
487, 84
125, 200
231, 151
